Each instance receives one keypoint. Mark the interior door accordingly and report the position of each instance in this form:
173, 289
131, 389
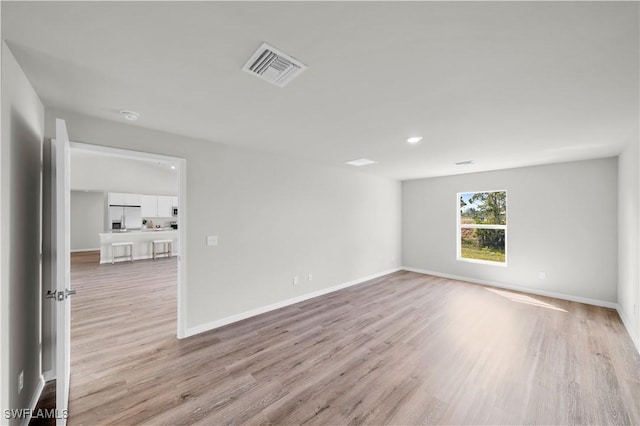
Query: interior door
61, 241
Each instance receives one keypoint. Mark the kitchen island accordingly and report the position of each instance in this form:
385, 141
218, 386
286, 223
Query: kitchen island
142, 242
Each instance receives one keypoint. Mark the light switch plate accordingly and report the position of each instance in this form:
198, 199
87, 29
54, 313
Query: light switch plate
212, 240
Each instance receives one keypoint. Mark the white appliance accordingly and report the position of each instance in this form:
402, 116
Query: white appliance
129, 217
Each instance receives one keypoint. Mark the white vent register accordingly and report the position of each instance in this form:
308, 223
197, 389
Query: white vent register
274, 66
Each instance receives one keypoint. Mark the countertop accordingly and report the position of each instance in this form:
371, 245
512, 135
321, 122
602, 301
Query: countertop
139, 231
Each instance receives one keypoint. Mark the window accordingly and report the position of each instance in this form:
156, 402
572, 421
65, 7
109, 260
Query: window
482, 227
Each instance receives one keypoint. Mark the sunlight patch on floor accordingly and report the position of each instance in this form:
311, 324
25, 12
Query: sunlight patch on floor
521, 298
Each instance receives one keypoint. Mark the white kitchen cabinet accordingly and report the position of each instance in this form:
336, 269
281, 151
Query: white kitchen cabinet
121, 199
116, 199
165, 205
132, 199
149, 205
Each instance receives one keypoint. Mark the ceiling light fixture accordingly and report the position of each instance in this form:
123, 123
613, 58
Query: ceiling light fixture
414, 139
360, 162
464, 163
173, 167
130, 115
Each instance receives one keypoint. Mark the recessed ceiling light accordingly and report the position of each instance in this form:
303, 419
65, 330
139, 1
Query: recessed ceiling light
130, 115
464, 163
360, 162
414, 139
173, 167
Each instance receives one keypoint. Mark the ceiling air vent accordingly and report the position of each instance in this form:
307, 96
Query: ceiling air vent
273, 66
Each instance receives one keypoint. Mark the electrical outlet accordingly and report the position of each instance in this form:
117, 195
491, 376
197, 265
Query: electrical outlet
310, 277
20, 381
296, 280
542, 275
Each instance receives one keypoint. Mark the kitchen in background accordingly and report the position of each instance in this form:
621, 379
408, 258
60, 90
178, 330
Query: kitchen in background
115, 197
136, 212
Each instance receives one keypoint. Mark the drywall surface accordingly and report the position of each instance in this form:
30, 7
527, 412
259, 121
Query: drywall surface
87, 219
629, 239
21, 154
275, 218
95, 172
562, 220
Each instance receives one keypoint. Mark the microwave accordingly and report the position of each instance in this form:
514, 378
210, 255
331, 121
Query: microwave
174, 211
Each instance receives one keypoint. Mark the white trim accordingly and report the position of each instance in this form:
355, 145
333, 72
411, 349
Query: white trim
182, 260
481, 226
118, 152
627, 325
485, 262
48, 375
34, 401
563, 296
83, 250
261, 310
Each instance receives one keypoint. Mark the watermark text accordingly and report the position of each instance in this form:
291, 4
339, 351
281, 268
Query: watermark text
38, 413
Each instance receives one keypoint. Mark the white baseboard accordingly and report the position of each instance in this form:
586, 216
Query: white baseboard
530, 290
261, 310
33, 402
48, 376
146, 257
81, 250
627, 325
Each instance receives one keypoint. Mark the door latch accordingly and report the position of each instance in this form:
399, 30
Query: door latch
60, 295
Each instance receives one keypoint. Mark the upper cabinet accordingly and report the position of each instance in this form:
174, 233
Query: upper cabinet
132, 199
120, 199
165, 206
116, 199
149, 205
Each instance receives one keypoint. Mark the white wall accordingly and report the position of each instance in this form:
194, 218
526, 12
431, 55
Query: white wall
275, 218
562, 219
629, 239
20, 206
95, 172
87, 219
4, 296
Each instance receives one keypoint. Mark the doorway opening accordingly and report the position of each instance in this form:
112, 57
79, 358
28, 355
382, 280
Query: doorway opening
99, 170
123, 306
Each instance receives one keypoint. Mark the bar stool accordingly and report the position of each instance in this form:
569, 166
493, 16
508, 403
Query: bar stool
167, 247
128, 251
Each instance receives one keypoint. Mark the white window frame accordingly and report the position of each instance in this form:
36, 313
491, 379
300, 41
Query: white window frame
460, 225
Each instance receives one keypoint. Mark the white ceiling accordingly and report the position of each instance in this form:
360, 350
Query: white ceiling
108, 172
503, 84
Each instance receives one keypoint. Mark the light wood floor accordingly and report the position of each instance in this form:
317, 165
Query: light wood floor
402, 349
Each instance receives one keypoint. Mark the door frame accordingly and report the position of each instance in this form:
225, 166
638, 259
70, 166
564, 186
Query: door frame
181, 170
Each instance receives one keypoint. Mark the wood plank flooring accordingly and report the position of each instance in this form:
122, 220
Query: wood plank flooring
401, 349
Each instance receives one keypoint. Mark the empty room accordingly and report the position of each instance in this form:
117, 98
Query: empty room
311, 212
